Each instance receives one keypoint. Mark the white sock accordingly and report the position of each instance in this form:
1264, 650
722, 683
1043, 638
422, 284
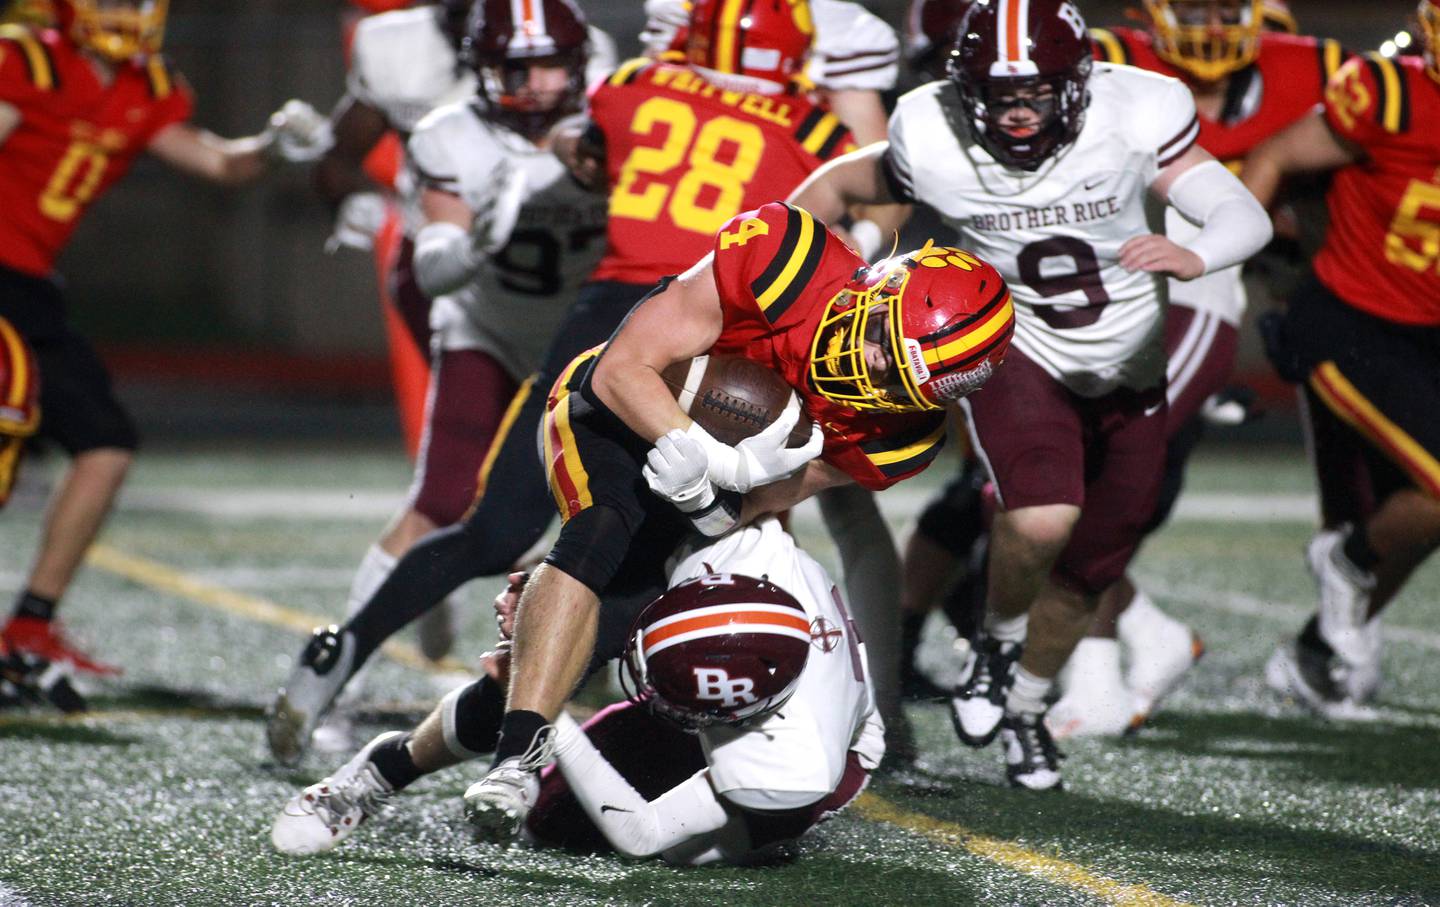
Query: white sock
375, 568
1007, 629
1028, 692
1138, 619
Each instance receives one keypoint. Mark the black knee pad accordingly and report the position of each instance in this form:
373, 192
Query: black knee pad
592, 546
955, 518
471, 716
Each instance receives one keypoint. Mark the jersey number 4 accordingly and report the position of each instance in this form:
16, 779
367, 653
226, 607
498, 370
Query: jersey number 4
713, 185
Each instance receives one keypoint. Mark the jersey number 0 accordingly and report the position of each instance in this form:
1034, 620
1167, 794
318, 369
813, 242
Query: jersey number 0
711, 190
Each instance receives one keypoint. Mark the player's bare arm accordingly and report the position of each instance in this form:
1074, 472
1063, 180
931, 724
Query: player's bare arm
855, 179
1308, 145
1234, 224
357, 127
780, 496
199, 152
9, 119
864, 113
679, 323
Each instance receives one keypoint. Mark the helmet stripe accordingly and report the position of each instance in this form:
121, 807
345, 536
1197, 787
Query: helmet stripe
735, 619
969, 340
726, 608
727, 54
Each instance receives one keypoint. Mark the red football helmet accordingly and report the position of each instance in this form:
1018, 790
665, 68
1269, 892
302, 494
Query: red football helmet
1209, 39
1429, 15
505, 38
1031, 53
767, 40
943, 316
114, 29
931, 30
721, 649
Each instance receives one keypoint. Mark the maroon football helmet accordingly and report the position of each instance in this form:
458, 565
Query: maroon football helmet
931, 29
454, 14
505, 38
720, 649
1031, 53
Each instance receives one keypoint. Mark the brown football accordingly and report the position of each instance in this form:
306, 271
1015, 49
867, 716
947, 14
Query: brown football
732, 397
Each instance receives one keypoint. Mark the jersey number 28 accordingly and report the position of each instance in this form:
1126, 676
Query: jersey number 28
719, 160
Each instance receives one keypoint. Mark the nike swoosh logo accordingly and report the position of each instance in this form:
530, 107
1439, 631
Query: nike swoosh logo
1091, 185
606, 807
1152, 410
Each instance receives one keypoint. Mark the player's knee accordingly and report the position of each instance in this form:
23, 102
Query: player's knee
108, 464
592, 545
1041, 531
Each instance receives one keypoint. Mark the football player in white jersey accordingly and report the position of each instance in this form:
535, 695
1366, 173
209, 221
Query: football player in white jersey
503, 240
717, 656
1057, 170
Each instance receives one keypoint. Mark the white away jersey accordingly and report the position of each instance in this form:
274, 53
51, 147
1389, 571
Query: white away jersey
515, 302
797, 755
1056, 234
853, 48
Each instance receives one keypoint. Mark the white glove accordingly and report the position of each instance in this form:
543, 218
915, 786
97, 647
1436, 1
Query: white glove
675, 470
302, 134
762, 458
496, 216
360, 217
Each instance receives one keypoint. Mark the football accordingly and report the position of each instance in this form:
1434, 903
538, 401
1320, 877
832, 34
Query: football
732, 397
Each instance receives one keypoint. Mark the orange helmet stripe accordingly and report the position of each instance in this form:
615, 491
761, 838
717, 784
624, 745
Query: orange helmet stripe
723, 619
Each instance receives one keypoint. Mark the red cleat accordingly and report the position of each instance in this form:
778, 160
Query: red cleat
46, 639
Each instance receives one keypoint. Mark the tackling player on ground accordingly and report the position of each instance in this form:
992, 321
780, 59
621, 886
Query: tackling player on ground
78, 104
703, 765
1050, 169
681, 155
1363, 334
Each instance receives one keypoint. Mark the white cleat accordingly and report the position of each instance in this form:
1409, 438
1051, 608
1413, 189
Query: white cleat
322, 815
497, 805
309, 693
1316, 680
1160, 651
1096, 702
1344, 598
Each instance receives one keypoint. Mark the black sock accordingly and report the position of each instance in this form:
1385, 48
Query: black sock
392, 759
28, 604
517, 731
1357, 548
1310, 638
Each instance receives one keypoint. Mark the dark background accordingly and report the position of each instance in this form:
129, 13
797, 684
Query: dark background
173, 278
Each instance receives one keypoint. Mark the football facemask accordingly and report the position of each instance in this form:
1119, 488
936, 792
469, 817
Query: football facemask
115, 29
1209, 39
1277, 17
529, 59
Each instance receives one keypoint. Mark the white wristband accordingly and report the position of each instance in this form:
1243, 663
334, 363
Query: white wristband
445, 258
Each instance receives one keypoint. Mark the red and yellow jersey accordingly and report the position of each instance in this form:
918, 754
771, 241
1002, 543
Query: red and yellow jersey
776, 268
684, 156
76, 137
1284, 83
1382, 251
19, 403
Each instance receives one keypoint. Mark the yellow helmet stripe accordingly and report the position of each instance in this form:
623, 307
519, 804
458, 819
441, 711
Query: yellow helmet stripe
887, 457
972, 339
726, 58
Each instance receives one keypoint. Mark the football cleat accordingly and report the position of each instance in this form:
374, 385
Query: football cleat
1344, 597
28, 679
1032, 760
309, 693
322, 815
46, 639
497, 805
1315, 678
1160, 650
978, 703
1096, 702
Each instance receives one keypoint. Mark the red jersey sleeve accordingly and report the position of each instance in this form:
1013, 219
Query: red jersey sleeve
883, 449
765, 259
174, 102
1366, 99
27, 70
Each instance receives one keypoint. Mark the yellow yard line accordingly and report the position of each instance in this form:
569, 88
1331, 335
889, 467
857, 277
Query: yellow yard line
55, 719
1010, 855
251, 607
869, 806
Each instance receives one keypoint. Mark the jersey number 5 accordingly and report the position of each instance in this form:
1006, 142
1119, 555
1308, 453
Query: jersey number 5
1085, 278
74, 182
713, 186
1422, 228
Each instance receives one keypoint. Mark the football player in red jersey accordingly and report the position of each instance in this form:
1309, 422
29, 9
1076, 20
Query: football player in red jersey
78, 103
683, 147
1363, 335
873, 354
